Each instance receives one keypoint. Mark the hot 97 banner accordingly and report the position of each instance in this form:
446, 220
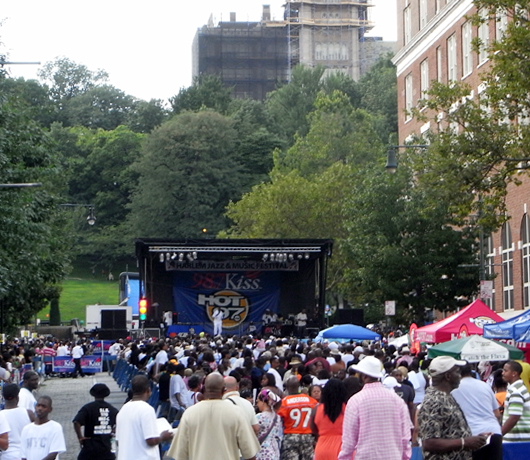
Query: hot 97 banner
242, 297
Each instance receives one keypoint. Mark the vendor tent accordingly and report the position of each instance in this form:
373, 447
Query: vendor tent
476, 348
345, 333
468, 321
517, 328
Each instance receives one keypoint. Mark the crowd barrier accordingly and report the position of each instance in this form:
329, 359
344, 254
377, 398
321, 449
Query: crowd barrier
123, 374
510, 451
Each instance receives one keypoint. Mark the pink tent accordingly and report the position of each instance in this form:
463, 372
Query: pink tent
468, 321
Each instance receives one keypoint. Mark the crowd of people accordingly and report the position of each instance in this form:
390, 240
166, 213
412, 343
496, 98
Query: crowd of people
269, 398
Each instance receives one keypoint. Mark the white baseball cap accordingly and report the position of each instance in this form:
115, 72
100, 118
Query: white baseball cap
442, 364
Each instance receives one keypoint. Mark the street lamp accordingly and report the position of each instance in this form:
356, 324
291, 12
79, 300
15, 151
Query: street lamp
21, 185
391, 159
91, 218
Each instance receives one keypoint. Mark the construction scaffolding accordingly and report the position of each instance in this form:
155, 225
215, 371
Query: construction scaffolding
328, 33
250, 57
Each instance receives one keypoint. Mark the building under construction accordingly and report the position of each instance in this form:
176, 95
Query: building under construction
253, 57
250, 57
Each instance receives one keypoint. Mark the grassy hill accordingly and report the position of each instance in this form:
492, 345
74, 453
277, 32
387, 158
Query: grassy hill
82, 288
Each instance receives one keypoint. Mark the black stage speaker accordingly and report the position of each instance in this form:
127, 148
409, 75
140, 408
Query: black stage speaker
350, 316
113, 319
111, 334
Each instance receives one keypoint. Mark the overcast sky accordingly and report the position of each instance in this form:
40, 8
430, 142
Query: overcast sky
144, 46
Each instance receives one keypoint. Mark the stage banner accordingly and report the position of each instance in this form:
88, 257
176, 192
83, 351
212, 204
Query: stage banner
243, 297
65, 364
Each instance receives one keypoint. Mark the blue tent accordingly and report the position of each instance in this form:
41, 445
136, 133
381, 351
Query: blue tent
517, 328
345, 333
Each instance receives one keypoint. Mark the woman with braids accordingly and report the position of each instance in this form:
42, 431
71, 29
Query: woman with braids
326, 420
270, 432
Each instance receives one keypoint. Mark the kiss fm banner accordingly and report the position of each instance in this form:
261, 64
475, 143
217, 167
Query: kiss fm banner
243, 297
89, 364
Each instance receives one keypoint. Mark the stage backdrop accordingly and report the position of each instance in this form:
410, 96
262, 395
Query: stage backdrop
243, 297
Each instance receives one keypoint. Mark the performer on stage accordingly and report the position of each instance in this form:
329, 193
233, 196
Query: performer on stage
217, 321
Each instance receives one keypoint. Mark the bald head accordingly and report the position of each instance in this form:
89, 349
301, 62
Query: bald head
213, 386
292, 385
231, 384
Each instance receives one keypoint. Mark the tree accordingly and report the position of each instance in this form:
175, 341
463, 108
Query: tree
67, 79
310, 184
377, 92
98, 165
206, 92
103, 107
189, 171
481, 133
33, 243
405, 247
32, 96
290, 104
146, 116
331, 184
55, 312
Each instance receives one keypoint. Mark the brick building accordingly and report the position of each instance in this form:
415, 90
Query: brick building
435, 43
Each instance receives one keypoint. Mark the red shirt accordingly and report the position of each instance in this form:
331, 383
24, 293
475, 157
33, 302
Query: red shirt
296, 413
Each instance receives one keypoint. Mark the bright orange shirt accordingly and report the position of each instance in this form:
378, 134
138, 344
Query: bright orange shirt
296, 413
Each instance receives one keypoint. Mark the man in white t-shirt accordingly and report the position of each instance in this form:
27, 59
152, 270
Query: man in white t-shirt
136, 426
44, 438
26, 399
16, 417
178, 392
161, 358
77, 355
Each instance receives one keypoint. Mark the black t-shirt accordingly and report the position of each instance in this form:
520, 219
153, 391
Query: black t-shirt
99, 420
405, 392
163, 386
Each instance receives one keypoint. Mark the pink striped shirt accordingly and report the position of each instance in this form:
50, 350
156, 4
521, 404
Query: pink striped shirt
376, 426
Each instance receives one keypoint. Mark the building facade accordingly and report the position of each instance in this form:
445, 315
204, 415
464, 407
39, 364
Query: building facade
435, 44
250, 57
254, 57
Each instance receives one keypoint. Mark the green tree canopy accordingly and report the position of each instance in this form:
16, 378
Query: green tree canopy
33, 243
189, 171
206, 92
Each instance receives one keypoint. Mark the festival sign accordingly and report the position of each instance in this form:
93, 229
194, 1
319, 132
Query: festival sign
243, 297
89, 364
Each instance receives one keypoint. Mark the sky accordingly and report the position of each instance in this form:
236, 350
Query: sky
145, 47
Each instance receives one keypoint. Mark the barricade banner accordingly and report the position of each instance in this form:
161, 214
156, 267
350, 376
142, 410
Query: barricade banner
101, 345
89, 364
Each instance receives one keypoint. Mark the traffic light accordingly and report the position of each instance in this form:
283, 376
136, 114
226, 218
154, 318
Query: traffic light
142, 304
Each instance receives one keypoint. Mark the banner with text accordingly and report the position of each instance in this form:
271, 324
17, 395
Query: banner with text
243, 297
89, 364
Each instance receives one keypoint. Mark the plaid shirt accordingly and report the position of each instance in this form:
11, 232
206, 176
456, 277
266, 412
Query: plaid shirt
376, 426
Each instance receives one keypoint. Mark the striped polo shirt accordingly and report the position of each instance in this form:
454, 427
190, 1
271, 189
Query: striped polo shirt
517, 403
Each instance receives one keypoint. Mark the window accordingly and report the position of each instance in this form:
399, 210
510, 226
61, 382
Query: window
507, 267
467, 57
451, 58
501, 24
438, 6
408, 96
490, 270
484, 36
424, 78
423, 13
525, 249
407, 25
439, 73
